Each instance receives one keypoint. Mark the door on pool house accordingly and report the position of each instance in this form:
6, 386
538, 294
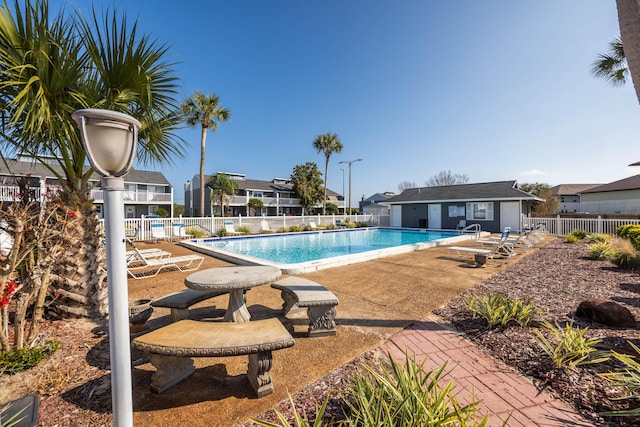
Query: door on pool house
435, 217
510, 216
396, 216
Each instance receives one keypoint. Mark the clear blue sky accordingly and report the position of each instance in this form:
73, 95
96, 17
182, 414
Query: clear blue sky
497, 90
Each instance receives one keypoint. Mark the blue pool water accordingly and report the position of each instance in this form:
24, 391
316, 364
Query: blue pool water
305, 247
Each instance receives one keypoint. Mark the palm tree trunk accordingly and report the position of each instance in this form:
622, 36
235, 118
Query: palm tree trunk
629, 20
81, 269
203, 141
324, 200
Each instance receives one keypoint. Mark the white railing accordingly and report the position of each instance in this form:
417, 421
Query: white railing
283, 202
135, 197
560, 226
140, 228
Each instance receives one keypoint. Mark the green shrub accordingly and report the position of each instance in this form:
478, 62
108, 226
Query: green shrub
570, 346
628, 378
282, 230
598, 237
600, 251
570, 238
580, 234
197, 233
243, 229
22, 359
624, 230
221, 232
401, 395
406, 395
630, 232
299, 420
624, 254
499, 310
296, 228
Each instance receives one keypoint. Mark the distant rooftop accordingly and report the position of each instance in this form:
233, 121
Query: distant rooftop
571, 189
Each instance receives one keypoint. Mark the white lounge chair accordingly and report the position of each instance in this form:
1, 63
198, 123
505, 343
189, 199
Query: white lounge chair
6, 243
497, 249
133, 255
264, 227
230, 229
150, 267
180, 232
157, 231
314, 226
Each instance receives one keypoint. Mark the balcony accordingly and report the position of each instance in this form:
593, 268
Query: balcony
272, 202
11, 193
140, 197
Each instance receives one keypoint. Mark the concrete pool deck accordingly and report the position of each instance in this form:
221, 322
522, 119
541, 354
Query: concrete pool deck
385, 304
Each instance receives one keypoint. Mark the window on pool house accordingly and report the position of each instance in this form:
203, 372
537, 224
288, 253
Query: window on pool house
480, 211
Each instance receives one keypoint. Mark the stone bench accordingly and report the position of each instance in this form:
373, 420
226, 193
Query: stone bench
179, 302
173, 346
320, 302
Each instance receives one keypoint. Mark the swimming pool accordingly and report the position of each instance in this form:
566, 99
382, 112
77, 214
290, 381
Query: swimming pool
296, 253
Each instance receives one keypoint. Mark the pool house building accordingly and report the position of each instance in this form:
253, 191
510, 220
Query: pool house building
493, 205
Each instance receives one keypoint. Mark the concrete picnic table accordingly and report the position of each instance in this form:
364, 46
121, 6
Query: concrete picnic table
236, 280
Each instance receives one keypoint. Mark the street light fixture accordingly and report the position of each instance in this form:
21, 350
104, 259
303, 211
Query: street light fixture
109, 139
350, 162
342, 169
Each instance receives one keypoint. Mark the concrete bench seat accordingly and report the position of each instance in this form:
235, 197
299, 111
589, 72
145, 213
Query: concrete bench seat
320, 302
179, 302
173, 346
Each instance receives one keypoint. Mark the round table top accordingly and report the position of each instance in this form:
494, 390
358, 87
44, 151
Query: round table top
234, 277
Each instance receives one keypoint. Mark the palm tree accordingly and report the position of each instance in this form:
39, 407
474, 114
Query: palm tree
222, 187
328, 144
307, 185
51, 67
629, 20
612, 66
206, 111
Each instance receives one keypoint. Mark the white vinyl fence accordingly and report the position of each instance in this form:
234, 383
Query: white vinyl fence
140, 228
561, 226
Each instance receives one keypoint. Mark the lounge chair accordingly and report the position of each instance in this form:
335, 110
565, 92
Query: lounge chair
6, 243
461, 224
157, 232
150, 267
230, 229
180, 232
264, 227
497, 249
133, 255
313, 226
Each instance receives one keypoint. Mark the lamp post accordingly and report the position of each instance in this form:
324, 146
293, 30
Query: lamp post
342, 169
350, 162
109, 139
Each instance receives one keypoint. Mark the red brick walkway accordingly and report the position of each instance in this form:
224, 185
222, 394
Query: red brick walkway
502, 393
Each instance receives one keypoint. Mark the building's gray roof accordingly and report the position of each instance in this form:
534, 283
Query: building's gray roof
500, 190
270, 186
378, 197
571, 189
630, 183
35, 169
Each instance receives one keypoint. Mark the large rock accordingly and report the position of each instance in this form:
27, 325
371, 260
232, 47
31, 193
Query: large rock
607, 312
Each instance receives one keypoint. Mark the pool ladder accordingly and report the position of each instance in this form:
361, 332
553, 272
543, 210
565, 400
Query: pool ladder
472, 228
